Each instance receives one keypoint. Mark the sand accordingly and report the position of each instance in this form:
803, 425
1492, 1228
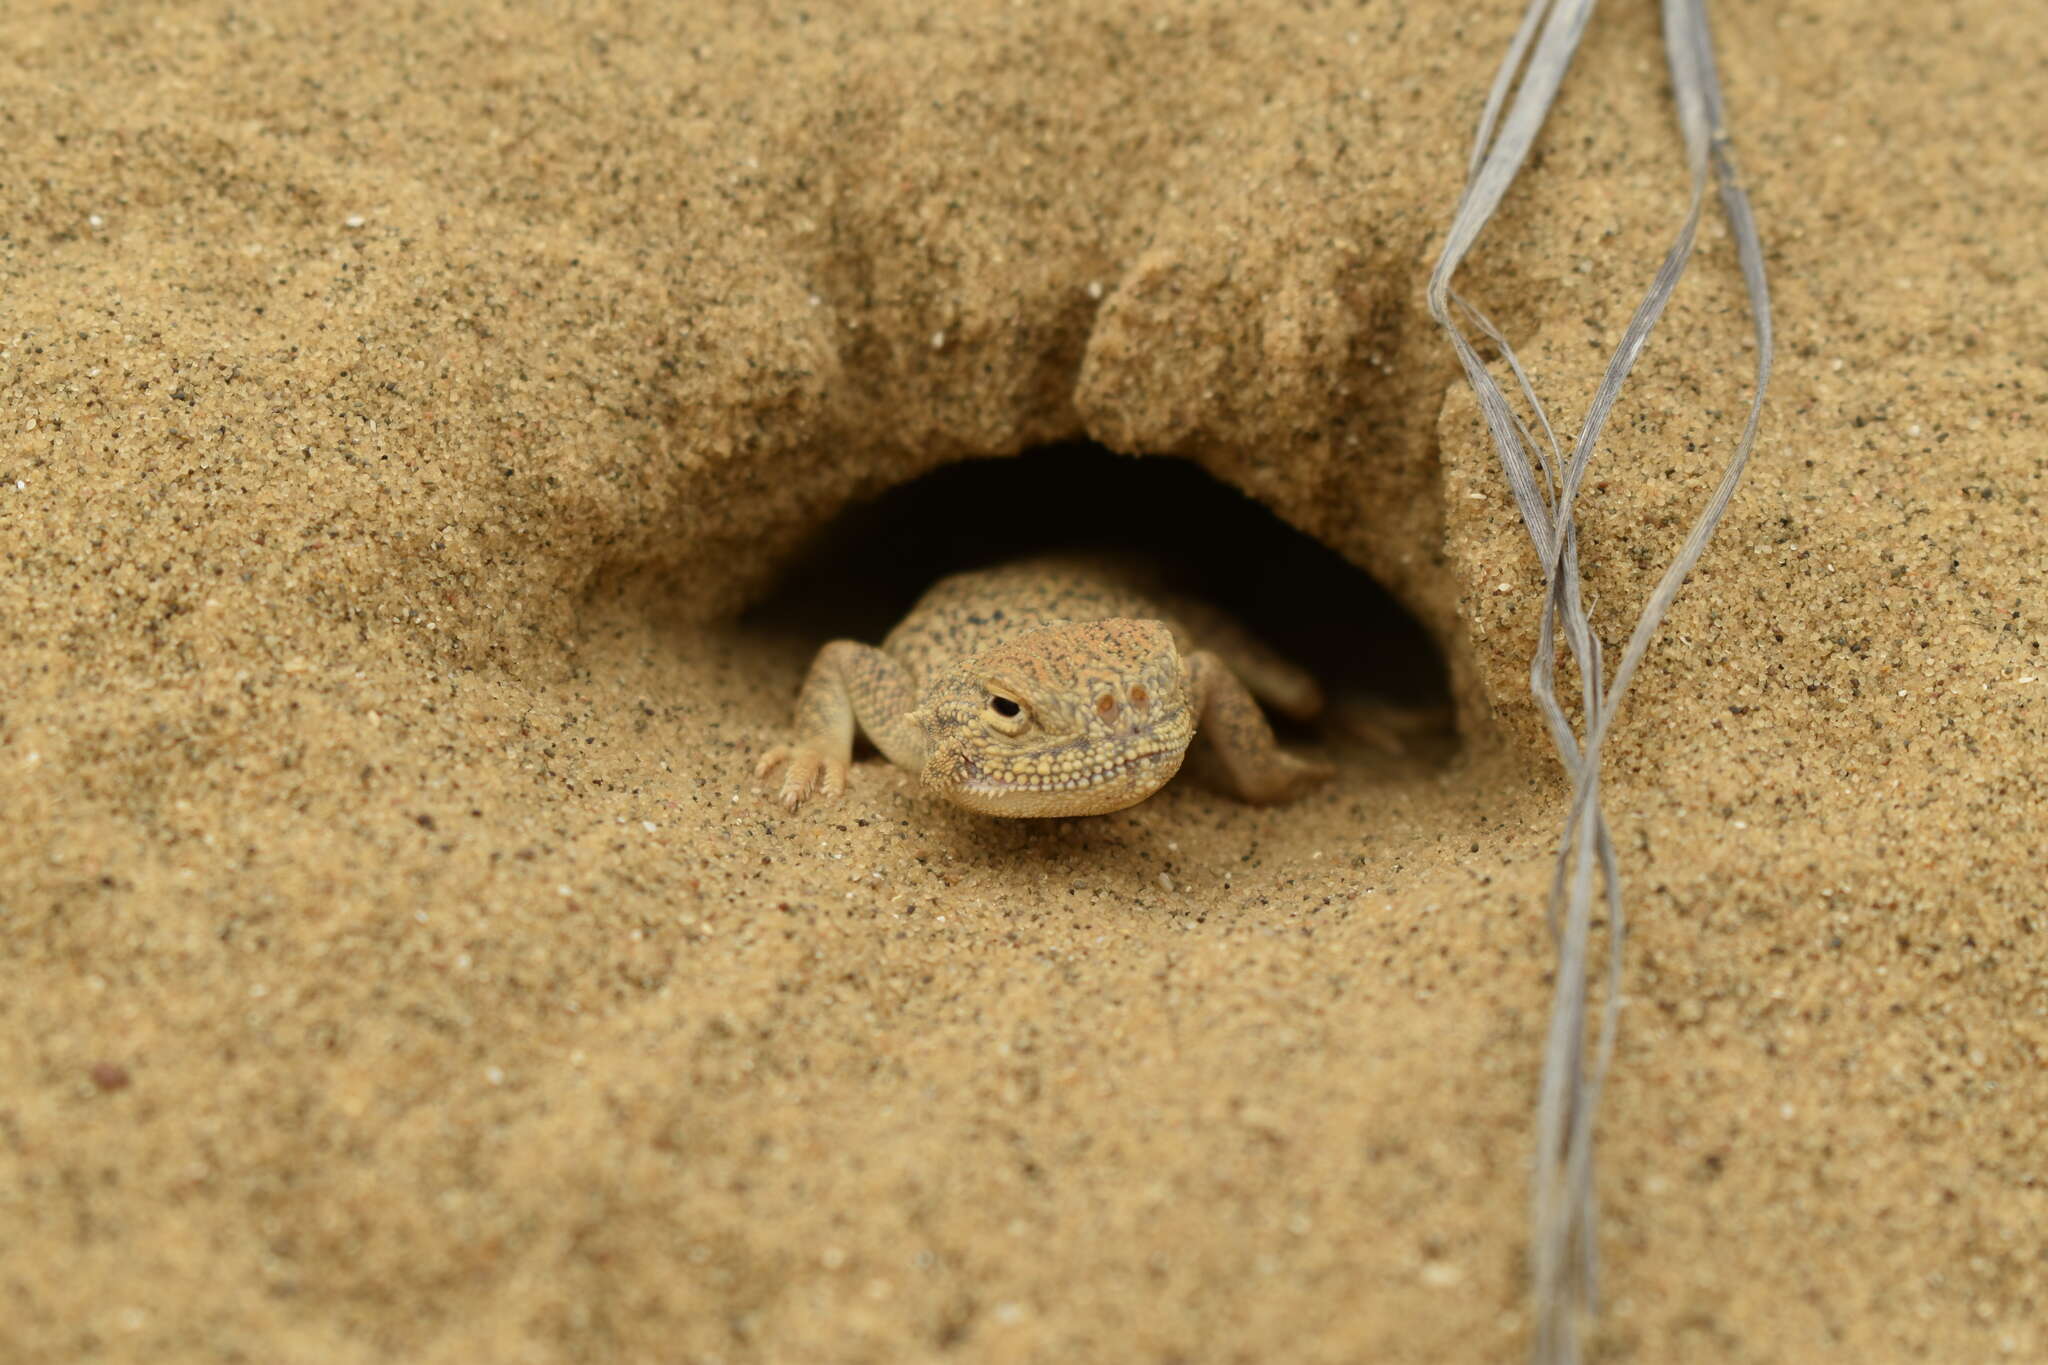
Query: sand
397, 960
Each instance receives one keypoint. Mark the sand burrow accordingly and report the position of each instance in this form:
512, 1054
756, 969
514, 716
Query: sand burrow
858, 574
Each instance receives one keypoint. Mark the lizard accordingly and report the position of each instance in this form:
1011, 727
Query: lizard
1047, 687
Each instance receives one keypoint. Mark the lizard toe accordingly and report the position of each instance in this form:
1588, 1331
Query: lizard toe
1285, 776
811, 774
1304, 773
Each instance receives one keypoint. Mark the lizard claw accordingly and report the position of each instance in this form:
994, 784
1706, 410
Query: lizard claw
811, 773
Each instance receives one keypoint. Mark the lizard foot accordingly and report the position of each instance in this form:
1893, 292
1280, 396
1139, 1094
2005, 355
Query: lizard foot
811, 773
1282, 777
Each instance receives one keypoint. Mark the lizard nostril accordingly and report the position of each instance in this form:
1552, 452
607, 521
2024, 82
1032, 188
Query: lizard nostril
1105, 706
1139, 696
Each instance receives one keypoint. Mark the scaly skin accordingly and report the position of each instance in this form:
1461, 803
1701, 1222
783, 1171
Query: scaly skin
1048, 687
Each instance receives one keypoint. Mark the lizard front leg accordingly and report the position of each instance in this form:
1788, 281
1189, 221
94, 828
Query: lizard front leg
1230, 722
849, 684
1269, 676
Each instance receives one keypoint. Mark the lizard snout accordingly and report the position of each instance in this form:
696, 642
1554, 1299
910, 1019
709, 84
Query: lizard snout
1132, 710
1125, 715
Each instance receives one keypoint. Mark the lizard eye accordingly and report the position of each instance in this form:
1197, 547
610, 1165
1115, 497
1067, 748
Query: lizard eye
1006, 715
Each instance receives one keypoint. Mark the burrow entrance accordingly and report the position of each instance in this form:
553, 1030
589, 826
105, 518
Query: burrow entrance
864, 570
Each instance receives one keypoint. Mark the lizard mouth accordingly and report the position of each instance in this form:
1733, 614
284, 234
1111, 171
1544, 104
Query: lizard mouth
1119, 772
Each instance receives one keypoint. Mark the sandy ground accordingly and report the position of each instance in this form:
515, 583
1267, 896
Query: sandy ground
397, 961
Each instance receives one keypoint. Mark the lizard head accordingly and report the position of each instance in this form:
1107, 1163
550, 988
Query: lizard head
1074, 718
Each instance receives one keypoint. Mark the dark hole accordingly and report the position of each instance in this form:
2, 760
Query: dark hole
864, 571
1005, 707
